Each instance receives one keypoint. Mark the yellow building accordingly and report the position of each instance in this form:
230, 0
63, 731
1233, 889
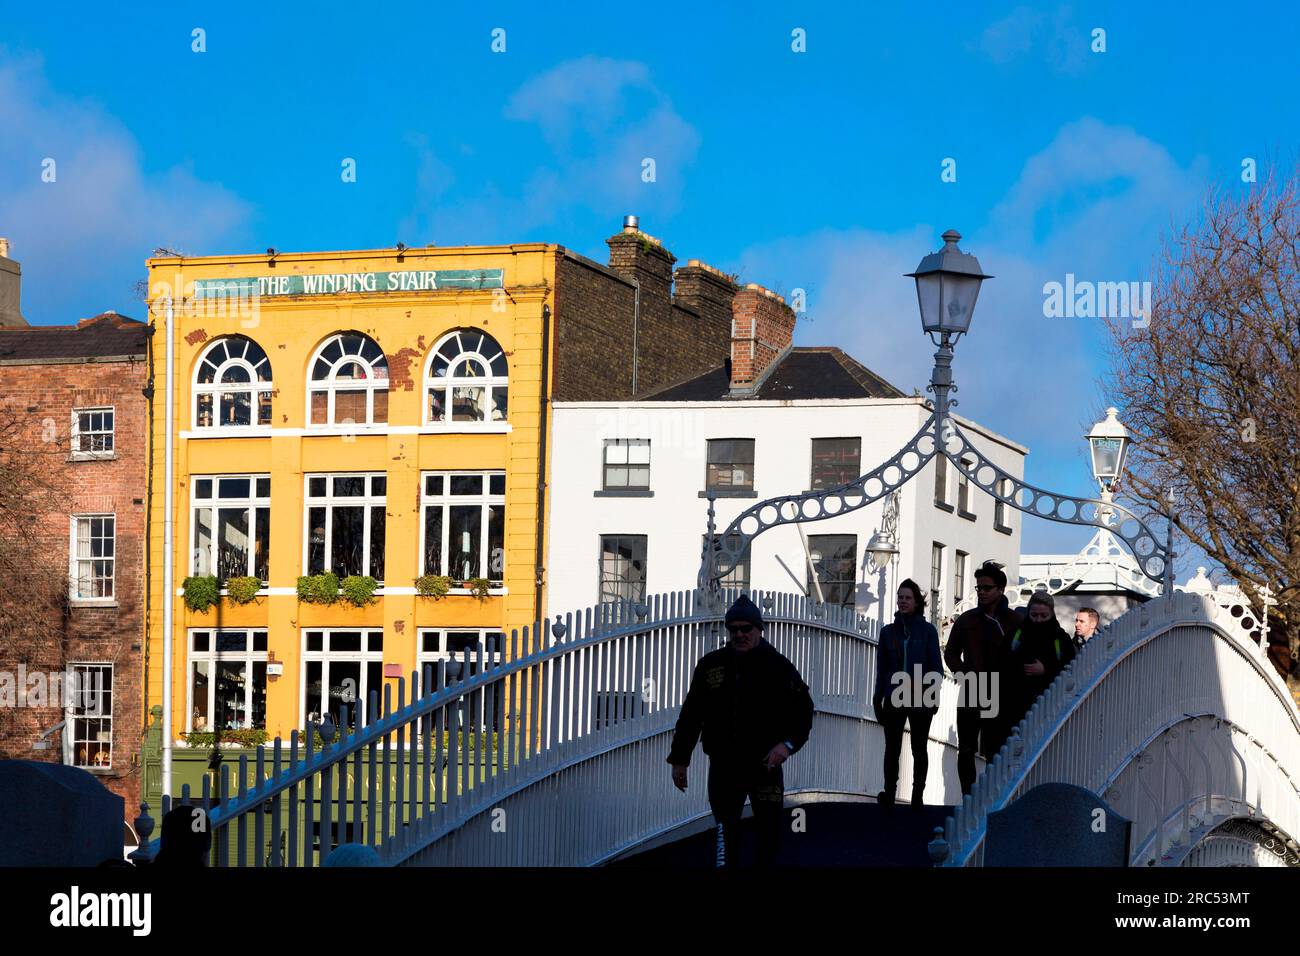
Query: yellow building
378, 414
361, 413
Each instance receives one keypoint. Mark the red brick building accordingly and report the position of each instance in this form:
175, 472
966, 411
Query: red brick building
73, 430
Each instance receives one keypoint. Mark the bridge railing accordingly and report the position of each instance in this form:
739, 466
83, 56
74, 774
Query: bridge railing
1174, 666
564, 693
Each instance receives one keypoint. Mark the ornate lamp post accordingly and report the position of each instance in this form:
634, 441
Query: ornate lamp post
883, 546
1108, 441
1108, 444
947, 287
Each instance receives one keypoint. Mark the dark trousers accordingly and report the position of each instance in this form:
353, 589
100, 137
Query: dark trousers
731, 780
976, 733
893, 719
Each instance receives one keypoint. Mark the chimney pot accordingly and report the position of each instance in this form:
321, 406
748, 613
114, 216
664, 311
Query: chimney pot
4, 248
631, 223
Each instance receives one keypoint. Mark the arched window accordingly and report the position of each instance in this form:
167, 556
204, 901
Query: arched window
232, 385
349, 382
466, 379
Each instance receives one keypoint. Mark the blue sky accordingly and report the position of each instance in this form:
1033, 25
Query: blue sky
817, 170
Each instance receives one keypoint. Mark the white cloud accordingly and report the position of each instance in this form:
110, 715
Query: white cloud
91, 228
1028, 33
600, 119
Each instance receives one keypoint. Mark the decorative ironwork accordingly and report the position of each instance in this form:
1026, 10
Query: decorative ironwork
940, 435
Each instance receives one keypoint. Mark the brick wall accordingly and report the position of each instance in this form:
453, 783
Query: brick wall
41, 397
763, 329
601, 336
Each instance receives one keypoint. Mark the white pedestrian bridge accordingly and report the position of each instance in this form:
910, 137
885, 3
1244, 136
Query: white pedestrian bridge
553, 752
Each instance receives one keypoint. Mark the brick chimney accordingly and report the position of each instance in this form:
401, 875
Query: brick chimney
638, 256
11, 283
707, 292
762, 331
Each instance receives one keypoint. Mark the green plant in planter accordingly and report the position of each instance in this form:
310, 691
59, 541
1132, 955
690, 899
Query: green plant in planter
432, 585
478, 587
319, 588
359, 589
244, 736
243, 590
201, 592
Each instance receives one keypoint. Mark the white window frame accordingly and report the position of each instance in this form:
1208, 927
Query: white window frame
74, 576
377, 380
256, 387
213, 505
601, 576
1001, 511
331, 501
100, 712
485, 350
627, 445
937, 576
327, 656
446, 500
963, 489
79, 454
212, 657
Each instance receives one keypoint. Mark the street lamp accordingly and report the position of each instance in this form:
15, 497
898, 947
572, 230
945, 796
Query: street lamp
882, 550
883, 546
1109, 440
947, 285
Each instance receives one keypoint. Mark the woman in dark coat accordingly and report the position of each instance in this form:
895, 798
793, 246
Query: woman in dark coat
909, 675
1040, 649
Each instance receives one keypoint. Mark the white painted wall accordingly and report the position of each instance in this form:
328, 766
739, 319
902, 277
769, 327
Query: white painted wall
674, 519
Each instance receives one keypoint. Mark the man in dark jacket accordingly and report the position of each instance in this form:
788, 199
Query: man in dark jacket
978, 653
754, 711
1040, 649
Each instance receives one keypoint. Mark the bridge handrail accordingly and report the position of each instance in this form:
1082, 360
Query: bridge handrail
965, 829
532, 734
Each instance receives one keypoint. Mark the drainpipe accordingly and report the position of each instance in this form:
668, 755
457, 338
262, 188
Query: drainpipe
636, 324
169, 577
541, 465
148, 393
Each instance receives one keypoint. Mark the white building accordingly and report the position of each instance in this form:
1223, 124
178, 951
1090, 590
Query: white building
628, 508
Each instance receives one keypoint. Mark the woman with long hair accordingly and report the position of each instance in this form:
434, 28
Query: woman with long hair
909, 675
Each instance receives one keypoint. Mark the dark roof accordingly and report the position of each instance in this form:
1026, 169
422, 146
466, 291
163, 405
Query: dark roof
104, 336
804, 373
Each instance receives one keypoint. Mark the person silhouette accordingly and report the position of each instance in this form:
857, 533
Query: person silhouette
185, 840
754, 711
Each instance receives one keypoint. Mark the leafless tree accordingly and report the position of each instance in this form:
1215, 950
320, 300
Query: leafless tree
33, 537
1211, 387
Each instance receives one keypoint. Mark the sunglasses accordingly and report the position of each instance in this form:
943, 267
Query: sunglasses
736, 629
985, 587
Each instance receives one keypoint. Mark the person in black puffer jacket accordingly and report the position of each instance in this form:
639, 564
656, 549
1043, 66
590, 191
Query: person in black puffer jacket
754, 711
1040, 650
909, 673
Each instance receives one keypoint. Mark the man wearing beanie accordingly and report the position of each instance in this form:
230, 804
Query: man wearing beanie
754, 711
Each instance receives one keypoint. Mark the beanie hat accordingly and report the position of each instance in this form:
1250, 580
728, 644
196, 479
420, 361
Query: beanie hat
745, 610
1042, 597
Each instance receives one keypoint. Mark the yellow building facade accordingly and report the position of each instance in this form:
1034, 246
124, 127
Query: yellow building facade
372, 413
